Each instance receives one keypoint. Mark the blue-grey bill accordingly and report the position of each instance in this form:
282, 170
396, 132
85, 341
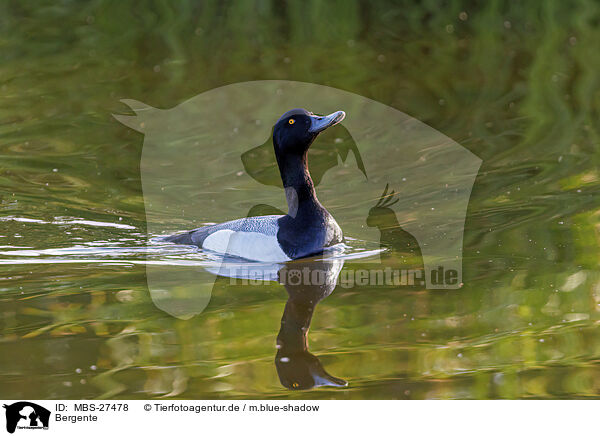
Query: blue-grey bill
320, 123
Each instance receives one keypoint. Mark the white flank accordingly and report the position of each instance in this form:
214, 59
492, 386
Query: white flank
248, 245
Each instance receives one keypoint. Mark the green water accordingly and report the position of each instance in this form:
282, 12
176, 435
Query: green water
517, 85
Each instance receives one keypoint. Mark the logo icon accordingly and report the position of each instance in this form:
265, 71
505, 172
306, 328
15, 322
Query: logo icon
26, 415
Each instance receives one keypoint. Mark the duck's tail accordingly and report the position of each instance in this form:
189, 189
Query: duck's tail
181, 238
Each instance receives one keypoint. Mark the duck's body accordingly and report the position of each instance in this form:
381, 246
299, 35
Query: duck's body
307, 229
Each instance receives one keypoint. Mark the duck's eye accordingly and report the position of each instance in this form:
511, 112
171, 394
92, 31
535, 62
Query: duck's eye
291, 121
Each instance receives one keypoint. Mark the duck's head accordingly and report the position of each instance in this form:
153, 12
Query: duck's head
298, 128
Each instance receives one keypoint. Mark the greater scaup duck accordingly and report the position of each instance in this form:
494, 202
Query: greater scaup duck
307, 229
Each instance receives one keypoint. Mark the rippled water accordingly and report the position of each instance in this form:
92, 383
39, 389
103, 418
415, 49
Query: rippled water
517, 86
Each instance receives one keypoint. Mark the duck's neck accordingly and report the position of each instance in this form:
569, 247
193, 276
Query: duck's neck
299, 188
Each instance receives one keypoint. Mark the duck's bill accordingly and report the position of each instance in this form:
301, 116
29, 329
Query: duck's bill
320, 123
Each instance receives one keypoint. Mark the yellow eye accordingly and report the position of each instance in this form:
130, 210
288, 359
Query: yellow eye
291, 121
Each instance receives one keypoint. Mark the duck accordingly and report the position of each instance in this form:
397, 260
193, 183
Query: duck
307, 229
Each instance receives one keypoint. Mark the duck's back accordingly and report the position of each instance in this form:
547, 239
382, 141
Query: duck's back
253, 238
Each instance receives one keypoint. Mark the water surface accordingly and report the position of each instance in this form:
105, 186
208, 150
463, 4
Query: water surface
516, 85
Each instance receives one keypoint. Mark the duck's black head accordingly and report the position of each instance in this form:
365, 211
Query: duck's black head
298, 128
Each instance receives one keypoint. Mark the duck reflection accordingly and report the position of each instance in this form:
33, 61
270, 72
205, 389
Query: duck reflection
307, 283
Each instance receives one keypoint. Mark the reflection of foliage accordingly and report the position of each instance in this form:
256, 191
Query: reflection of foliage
516, 83
514, 342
